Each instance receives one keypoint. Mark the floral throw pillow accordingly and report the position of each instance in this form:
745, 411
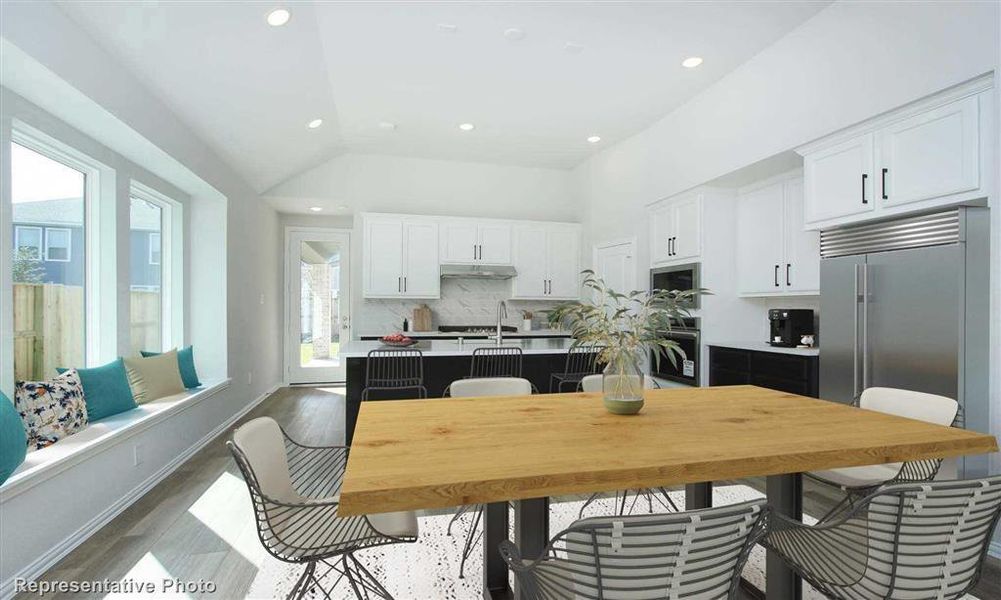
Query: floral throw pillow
51, 410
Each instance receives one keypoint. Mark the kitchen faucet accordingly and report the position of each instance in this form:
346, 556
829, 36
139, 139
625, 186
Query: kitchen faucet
501, 309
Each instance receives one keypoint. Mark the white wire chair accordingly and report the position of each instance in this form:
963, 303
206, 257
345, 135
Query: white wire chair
904, 541
467, 388
655, 497
696, 554
295, 491
858, 482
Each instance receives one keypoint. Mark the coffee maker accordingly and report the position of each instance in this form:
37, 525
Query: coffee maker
788, 325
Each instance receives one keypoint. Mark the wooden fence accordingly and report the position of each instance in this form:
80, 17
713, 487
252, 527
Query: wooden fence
49, 324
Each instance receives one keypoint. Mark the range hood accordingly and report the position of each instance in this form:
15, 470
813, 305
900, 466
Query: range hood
477, 272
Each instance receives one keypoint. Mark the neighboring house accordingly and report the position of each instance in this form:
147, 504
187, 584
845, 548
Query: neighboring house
52, 231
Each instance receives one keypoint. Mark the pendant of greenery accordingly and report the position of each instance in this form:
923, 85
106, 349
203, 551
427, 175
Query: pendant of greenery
621, 327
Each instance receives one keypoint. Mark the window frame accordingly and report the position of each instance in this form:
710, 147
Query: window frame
69, 244
17, 238
158, 246
171, 265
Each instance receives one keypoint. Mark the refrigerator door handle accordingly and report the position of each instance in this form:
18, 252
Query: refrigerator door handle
865, 326
855, 336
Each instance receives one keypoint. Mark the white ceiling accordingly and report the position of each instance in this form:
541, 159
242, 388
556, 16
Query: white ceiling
249, 89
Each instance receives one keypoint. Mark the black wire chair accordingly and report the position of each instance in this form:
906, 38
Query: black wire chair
501, 361
859, 482
581, 362
696, 554
394, 369
904, 541
295, 493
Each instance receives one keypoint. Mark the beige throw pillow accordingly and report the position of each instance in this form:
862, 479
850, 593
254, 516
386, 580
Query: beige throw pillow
154, 377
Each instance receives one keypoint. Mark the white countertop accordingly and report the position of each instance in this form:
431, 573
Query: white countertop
766, 347
357, 349
434, 334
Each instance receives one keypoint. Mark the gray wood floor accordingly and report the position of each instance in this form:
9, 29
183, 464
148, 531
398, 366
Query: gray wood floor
196, 524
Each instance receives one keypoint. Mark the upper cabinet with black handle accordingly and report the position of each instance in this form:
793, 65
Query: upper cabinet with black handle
676, 229
775, 256
931, 153
468, 241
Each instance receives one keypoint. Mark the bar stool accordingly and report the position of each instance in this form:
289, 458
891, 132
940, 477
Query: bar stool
394, 369
581, 361
502, 361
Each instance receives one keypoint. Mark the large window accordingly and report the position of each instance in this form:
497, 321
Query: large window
151, 225
49, 203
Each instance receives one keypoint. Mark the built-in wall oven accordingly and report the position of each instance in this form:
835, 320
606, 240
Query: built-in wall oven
677, 277
686, 335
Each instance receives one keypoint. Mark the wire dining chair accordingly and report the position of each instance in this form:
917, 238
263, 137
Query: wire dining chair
581, 361
500, 361
394, 369
295, 491
858, 482
924, 540
696, 554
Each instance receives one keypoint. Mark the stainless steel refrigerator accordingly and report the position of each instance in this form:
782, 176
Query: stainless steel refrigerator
905, 304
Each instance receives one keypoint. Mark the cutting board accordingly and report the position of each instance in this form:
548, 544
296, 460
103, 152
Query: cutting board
422, 318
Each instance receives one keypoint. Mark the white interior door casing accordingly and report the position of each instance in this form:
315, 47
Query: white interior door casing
840, 179
330, 368
935, 153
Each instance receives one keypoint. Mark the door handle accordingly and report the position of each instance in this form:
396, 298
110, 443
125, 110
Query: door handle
885, 197
776, 276
788, 267
864, 177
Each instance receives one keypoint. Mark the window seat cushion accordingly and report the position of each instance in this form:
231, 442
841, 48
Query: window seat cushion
49, 461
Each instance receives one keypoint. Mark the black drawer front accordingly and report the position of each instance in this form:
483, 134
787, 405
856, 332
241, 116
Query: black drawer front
721, 376
801, 388
780, 366
727, 358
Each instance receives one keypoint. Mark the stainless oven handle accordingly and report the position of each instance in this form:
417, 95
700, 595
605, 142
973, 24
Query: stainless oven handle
687, 334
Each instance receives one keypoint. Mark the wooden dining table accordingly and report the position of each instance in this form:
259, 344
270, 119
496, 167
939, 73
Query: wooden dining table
425, 454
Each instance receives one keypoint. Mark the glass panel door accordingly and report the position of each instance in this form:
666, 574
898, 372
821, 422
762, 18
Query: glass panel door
317, 305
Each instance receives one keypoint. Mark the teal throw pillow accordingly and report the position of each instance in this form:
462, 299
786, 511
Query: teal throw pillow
106, 390
13, 439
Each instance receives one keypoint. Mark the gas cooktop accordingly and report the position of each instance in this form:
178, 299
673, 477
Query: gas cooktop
474, 328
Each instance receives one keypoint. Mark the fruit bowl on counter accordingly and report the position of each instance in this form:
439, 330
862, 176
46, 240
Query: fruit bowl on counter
397, 339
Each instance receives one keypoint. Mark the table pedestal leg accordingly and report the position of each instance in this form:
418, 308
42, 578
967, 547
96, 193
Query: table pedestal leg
785, 496
495, 530
698, 495
531, 529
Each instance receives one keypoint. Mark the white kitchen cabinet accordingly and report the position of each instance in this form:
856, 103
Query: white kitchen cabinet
676, 230
475, 242
840, 179
775, 256
547, 258
400, 258
935, 153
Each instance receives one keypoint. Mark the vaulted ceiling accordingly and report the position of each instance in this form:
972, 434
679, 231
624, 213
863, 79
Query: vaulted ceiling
535, 95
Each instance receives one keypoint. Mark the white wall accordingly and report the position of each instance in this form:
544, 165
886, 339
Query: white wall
851, 62
233, 277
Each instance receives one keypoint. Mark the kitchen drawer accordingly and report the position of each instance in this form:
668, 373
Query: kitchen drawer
721, 376
800, 387
729, 358
781, 366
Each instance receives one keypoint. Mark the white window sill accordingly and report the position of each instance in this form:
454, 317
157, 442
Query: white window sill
48, 462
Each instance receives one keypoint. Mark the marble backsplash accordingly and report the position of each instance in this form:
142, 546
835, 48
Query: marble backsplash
462, 302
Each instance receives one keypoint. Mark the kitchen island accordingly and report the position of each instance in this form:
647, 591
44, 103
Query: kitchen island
444, 362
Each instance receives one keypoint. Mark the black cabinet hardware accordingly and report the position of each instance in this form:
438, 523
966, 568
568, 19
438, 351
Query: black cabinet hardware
788, 266
864, 177
776, 276
670, 246
399, 284
885, 197
404, 284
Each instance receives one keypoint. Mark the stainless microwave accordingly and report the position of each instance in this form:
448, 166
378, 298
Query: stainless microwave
677, 277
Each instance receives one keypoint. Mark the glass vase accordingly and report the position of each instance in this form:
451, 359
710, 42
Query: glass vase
622, 385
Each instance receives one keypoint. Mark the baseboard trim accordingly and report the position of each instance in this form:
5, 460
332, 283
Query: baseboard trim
43, 563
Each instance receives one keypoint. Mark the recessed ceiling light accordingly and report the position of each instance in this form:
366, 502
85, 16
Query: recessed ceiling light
691, 62
467, 126
594, 139
387, 125
343, 207
279, 17
514, 34
314, 123
316, 208
447, 27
